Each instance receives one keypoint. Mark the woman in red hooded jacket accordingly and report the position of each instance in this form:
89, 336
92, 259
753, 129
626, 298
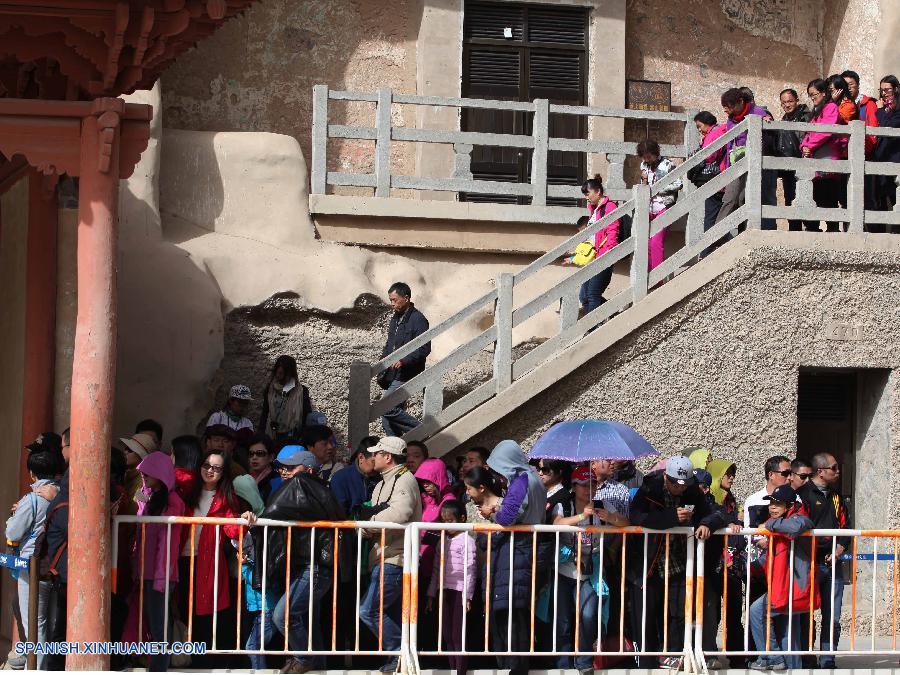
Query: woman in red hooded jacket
213, 496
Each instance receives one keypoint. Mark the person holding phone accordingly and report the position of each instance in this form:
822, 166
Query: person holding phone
575, 570
668, 498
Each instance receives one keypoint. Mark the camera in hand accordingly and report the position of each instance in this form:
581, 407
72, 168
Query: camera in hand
598, 504
367, 510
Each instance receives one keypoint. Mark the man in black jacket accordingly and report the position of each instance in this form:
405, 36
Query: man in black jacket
407, 323
666, 499
306, 498
826, 511
787, 144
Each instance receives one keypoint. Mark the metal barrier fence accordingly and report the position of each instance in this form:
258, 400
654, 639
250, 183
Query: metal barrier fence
622, 567
324, 566
793, 633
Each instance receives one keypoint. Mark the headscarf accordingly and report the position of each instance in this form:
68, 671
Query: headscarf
434, 471
700, 458
509, 460
717, 469
245, 487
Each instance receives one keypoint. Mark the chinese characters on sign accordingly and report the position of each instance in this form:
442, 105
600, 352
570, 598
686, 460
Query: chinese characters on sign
648, 95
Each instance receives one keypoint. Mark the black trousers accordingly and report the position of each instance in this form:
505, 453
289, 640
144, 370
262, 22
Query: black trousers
654, 616
827, 193
517, 665
56, 623
712, 612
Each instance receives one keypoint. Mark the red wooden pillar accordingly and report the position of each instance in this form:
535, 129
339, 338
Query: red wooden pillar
40, 313
93, 382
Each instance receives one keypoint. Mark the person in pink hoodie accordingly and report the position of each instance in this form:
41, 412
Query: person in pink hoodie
435, 488
824, 145
605, 239
155, 546
454, 591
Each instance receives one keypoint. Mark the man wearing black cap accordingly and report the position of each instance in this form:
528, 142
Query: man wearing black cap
668, 498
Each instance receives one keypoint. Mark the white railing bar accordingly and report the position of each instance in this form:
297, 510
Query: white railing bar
462, 185
346, 131
470, 137
351, 179
593, 111
370, 97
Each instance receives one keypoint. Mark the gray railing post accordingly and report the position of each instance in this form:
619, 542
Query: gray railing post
568, 312
383, 143
433, 402
640, 232
503, 322
691, 134
358, 399
753, 192
540, 132
856, 183
318, 171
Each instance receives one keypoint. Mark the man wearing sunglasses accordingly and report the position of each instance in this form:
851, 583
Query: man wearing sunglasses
756, 508
801, 472
827, 511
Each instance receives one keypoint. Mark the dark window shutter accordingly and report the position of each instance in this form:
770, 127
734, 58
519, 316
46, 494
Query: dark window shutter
555, 75
488, 21
493, 74
560, 25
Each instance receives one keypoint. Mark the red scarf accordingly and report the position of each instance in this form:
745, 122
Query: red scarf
737, 119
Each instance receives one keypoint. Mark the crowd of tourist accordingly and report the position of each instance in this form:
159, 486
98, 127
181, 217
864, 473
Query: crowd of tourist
577, 581
835, 100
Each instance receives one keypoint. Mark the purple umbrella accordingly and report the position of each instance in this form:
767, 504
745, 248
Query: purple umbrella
585, 440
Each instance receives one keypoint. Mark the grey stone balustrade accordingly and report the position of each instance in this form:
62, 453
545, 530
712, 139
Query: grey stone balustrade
506, 315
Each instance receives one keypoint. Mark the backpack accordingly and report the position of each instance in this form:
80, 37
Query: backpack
47, 566
624, 227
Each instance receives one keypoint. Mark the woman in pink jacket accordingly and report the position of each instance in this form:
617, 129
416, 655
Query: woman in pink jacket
824, 145
155, 554
715, 163
606, 239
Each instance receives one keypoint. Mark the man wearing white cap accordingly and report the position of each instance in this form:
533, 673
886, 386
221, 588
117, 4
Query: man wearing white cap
234, 414
667, 498
395, 500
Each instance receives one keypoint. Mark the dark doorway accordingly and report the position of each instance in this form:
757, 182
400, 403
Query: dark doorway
826, 419
520, 52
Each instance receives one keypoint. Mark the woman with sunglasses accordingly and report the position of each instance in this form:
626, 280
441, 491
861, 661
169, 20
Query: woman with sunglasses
212, 497
888, 148
824, 145
260, 454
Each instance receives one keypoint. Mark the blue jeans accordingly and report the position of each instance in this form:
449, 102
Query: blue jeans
258, 661
298, 611
565, 622
591, 293
831, 610
397, 421
799, 628
393, 593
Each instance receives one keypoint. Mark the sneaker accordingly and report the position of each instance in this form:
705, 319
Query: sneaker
390, 666
759, 664
713, 663
670, 663
14, 662
296, 666
778, 665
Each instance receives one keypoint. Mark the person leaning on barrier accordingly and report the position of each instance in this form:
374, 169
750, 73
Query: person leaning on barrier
827, 511
406, 324
525, 504
668, 498
395, 500
303, 498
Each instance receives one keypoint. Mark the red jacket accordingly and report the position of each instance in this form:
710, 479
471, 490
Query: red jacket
606, 238
205, 559
781, 578
867, 108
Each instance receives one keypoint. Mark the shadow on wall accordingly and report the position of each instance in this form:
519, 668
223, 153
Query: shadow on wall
170, 327
323, 343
